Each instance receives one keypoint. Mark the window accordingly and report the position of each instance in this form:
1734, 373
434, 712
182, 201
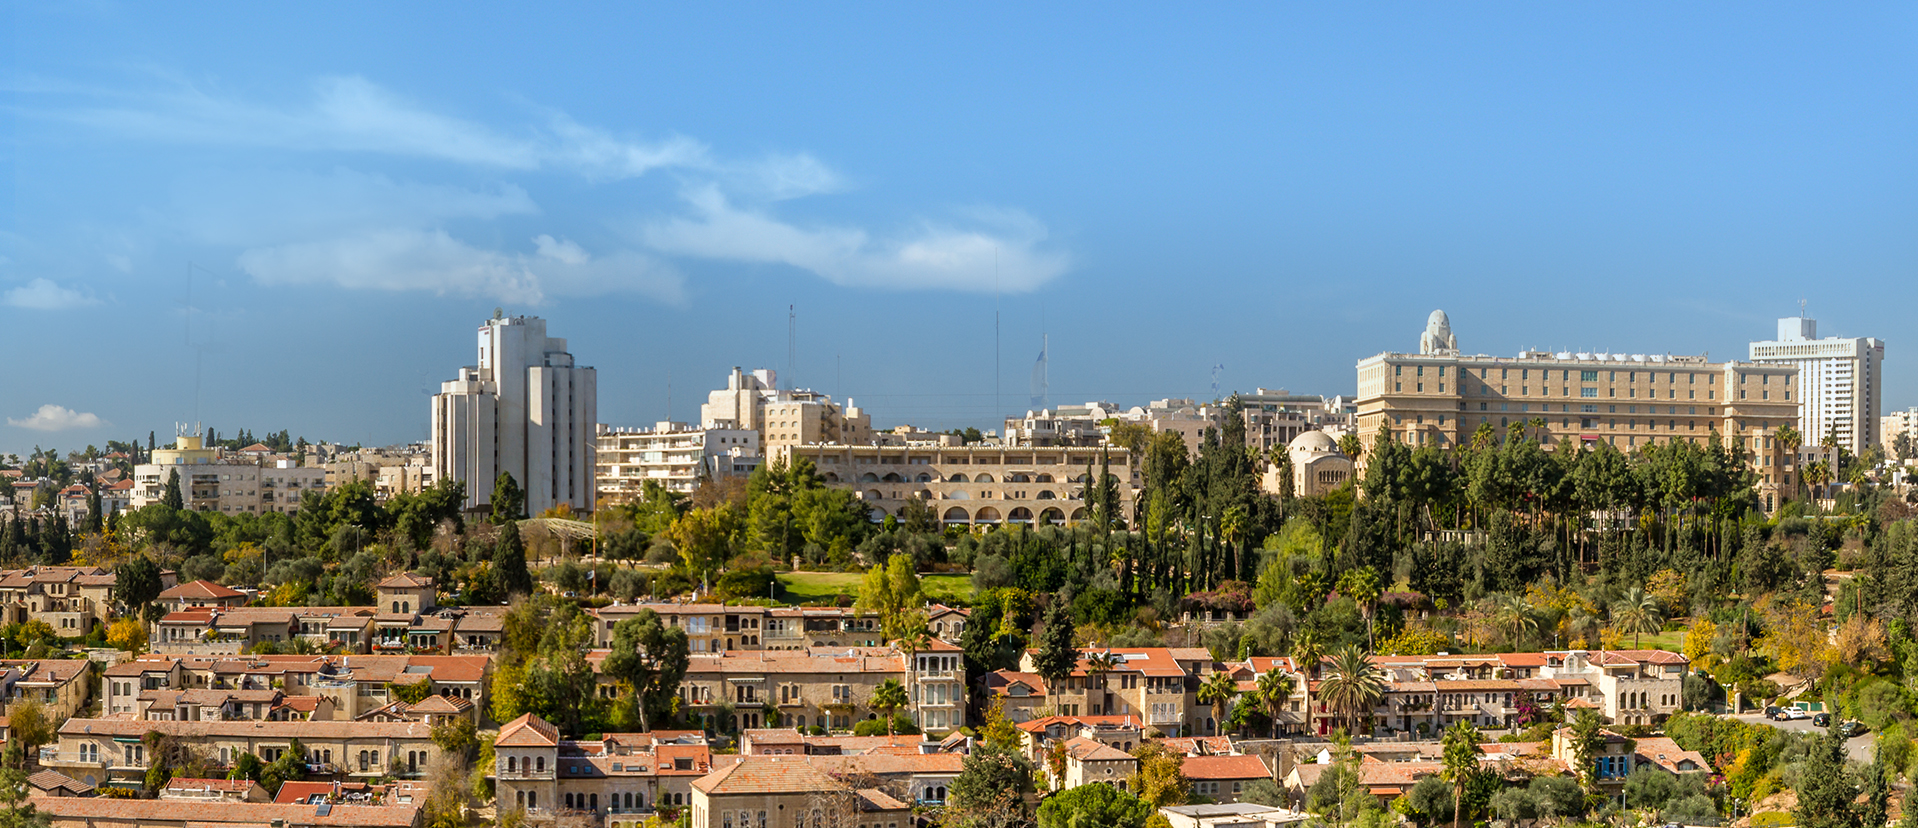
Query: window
1588, 391
1588, 376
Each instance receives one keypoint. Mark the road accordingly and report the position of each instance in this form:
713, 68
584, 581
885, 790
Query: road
1858, 747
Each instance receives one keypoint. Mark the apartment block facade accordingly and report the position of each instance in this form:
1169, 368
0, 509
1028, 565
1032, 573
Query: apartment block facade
1441, 397
981, 485
525, 409
674, 455
1841, 382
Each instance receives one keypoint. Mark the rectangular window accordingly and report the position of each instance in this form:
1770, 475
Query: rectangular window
1588, 392
1588, 376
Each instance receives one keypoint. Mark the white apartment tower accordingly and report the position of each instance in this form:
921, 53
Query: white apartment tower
1840, 382
525, 409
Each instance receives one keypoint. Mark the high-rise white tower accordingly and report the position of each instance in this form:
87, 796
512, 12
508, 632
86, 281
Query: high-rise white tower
526, 410
1840, 382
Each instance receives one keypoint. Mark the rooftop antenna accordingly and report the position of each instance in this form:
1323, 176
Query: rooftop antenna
997, 409
792, 347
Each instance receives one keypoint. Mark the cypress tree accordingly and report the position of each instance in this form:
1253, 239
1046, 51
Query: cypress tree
509, 561
172, 498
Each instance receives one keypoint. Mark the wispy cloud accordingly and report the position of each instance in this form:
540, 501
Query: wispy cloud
353, 114
432, 260
43, 294
1001, 251
57, 418
367, 231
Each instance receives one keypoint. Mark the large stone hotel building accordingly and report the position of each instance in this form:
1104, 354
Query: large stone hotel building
1440, 396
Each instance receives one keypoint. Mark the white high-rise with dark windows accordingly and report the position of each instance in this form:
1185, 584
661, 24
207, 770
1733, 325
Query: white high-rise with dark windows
525, 409
1840, 383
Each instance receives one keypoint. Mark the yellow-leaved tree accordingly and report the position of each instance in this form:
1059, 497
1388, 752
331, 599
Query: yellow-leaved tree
128, 634
1796, 639
1698, 640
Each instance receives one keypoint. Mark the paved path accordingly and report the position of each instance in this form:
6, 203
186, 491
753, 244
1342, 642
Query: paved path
1858, 747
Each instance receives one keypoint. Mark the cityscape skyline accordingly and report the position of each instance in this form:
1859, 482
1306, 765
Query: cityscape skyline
185, 222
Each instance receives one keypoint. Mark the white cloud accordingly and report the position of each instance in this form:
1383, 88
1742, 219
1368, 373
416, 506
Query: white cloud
1005, 256
353, 114
395, 260
57, 418
256, 208
43, 294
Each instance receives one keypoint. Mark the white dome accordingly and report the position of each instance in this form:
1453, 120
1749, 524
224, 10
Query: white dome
1314, 441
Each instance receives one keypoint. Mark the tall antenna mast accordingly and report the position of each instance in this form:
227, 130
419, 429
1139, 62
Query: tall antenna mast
792, 347
997, 410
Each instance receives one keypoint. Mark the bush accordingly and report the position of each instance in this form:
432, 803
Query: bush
901, 724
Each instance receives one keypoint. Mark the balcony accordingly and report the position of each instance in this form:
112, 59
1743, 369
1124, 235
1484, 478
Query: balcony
74, 759
524, 776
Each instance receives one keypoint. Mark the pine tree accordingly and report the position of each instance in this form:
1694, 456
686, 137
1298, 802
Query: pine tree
1826, 791
172, 498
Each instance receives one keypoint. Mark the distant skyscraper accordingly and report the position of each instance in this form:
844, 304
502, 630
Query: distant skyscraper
526, 410
1840, 382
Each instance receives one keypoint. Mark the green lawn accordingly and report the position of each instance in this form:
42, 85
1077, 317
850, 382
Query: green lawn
1670, 640
812, 587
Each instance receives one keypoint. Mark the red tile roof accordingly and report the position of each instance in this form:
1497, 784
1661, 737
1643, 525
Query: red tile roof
1224, 767
528, 731
768, 775
66, 810
201, 589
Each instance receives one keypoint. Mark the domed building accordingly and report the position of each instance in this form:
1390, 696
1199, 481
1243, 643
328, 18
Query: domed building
1317, 466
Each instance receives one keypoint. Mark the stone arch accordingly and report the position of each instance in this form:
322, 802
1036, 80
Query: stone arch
957, 515
876, 514
1020, 514
1018, 477
892, 477
957, 477
1042, 477
872, 494
1079, 513
986, 514
923, 478
983, 477
832, 477
958, 495
923, 494
1046, 494
1051, 514
869, 477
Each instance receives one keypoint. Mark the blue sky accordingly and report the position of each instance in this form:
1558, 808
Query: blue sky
294, 217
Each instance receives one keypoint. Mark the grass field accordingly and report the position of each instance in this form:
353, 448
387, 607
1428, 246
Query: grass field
811, 587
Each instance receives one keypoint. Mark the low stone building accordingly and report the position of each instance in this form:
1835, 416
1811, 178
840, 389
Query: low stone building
789, 792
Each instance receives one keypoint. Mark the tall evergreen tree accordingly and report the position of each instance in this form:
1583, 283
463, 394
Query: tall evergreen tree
509, 561
172, 498
1057, 653
509, 502
1826, 790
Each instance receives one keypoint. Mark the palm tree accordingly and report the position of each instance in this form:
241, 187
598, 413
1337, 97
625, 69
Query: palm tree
1218, 690
1275, 689
1362, 586
1638, 612
1515, 614
1352, 685
1461, 762
1097, 665
1789, 439
887, 698
1817, 473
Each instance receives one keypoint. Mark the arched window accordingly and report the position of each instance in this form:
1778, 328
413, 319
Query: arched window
540, 765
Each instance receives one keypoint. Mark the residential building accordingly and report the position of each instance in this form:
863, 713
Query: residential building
116, 812
720, 628
826, 686
1440, 397
352, 685
200, 594
1841, 382
674, 455
1231, 815
1223, 777
1157, 686
783, 417
1895, 425
620, 777
981, 485
789, 792
111, 751
212, 481
62, 686
526, 409
70, 599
